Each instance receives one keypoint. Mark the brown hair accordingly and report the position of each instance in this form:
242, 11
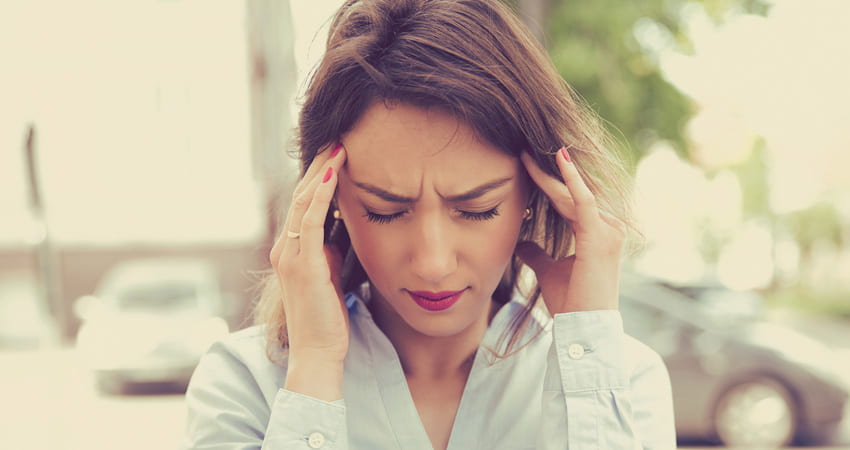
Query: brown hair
476, 60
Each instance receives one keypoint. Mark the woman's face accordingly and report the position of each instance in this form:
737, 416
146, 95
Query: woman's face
430, 241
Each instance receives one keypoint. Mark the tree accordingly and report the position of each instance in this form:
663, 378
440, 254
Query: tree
595, 47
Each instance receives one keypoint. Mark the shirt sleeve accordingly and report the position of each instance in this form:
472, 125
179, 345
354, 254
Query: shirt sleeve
227, 410
592, 397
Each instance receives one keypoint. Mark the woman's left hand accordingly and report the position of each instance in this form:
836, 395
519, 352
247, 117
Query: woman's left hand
589, 279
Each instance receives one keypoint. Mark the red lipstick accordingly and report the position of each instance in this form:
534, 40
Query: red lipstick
435, 301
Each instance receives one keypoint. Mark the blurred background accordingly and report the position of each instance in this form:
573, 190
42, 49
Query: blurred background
143, 166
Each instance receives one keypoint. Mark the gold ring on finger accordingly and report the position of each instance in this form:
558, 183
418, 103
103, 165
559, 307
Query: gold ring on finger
293, 234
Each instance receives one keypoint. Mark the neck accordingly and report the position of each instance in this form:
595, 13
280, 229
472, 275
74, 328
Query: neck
430, 358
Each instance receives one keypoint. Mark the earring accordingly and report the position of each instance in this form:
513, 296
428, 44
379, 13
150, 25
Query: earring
337, 215
527, 214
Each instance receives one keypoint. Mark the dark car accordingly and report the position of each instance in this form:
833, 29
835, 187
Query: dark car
736, 379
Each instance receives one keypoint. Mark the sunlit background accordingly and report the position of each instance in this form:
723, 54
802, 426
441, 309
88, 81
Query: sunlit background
159, 129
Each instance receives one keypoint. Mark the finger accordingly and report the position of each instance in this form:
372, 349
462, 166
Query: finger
339, 155
297, 209
300, 202
307, 185
583, 198
313, 172
286, 247
312, 224
289, 247
554, 188
304, 193
533, 256
277, 249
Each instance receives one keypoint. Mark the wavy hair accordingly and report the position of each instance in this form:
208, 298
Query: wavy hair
476, 60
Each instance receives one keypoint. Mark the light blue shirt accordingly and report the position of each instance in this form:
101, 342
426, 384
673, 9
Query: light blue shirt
580, 384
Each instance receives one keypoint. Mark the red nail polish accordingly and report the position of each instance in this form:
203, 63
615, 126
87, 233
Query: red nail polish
336, 150
328, 175
566, 154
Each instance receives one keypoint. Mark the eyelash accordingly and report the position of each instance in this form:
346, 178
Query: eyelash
484, 215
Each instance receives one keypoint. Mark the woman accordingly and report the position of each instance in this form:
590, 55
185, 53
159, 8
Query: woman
441, 153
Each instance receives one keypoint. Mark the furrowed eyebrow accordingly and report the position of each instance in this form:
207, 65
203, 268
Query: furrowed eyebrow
468, 195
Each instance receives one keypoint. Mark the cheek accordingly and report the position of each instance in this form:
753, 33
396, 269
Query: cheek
375, 250
498, 245
364, 240
505, 243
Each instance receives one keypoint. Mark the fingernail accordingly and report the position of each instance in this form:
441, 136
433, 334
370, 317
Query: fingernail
328, 175
566, 154
336, 150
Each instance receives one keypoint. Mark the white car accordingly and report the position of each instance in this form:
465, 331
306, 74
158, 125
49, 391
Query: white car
150, 320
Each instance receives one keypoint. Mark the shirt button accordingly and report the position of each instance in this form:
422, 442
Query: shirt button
316, 440
576, 351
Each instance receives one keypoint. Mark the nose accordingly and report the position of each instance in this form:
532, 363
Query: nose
433, 254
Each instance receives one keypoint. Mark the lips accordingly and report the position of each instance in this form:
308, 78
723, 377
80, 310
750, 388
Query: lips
435, 295
435, 301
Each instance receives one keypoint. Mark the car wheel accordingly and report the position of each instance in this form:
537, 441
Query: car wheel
759, 412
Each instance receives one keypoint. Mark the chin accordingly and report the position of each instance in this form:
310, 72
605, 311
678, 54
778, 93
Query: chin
440, 329
455, 320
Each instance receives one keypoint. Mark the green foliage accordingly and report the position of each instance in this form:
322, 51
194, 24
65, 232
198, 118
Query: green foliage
752, 175
820, 221
594, 46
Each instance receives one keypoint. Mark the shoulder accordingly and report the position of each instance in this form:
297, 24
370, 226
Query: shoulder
248, 347
243, 342
231, 391
240, 359
245, 345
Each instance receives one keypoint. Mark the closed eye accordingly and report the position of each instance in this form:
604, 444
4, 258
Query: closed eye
387, 218
381, 218
485, 215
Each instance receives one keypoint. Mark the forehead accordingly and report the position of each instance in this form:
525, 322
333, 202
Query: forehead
391, 143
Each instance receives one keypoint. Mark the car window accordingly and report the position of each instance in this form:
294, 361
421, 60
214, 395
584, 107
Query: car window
722, 305
158, 297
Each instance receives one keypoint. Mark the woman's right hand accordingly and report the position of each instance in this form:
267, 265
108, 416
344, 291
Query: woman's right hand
308, 270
